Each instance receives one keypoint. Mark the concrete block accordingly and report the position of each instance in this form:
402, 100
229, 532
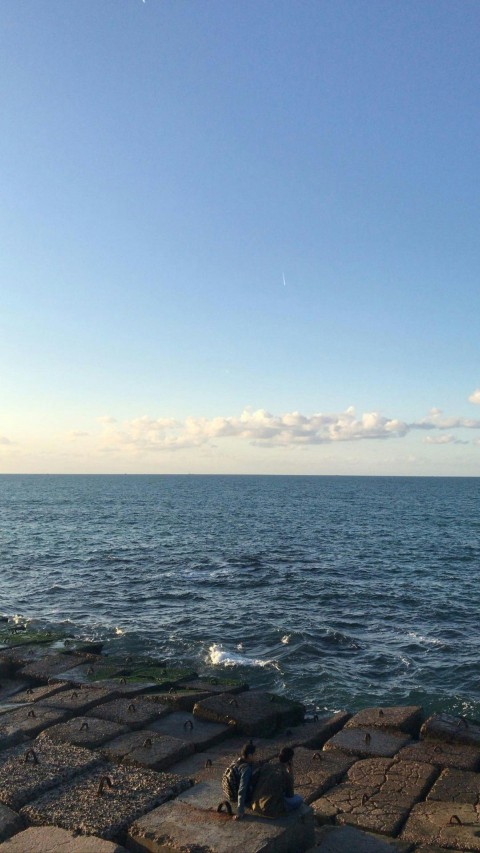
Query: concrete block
312, 734
206, 767
11, 660
148, 749
456, 786
177, 827
367, 743
104, 804
6, 708
442, 754
349, 839
50, 839
432, 849
37, 694
352, 804
452, 729
136, 713
252, 713
455, 826
316, 772
27, 772
378, 795
51, 666
127, 688
79, 700
185, 726
215, 685
84, 731
178, 700
26, 722
10, 689
406, 719
10, 822
403, 782
312, 776
97, 669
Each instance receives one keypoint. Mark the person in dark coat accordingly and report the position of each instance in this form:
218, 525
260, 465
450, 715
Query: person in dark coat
273, 795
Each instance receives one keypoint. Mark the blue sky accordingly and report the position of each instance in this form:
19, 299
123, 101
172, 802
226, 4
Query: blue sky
216, 208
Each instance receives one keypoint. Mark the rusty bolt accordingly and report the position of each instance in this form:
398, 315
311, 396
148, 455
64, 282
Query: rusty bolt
105, 780
31, 754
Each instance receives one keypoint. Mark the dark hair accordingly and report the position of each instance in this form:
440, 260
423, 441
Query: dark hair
286, 754
248, 749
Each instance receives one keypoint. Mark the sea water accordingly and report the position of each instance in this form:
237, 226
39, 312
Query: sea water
340, 591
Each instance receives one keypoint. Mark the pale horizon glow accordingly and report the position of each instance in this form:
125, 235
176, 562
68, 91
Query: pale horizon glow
240, 238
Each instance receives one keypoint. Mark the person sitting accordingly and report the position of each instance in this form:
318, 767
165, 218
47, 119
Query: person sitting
273, 795
244, 771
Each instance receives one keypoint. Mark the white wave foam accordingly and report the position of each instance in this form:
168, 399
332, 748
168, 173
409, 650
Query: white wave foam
218, 656
286, 639
429, 641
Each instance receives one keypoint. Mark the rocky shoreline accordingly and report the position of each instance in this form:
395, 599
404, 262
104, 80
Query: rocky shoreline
101, 754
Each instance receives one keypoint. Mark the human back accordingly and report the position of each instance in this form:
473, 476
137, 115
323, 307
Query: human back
273, 794
272, 785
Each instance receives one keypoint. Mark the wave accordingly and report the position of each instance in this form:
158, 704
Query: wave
218, 656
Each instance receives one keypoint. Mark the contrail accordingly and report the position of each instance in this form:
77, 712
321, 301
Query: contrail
284, 282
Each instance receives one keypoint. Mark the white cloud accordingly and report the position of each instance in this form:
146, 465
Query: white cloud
443, 439
76, 433
475, 397
437, 420
259, 427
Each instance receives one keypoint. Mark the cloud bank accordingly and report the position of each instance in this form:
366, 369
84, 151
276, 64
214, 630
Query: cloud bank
263, 429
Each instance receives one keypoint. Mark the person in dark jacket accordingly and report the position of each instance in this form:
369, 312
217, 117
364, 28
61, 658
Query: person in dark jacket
245, 765
274, 795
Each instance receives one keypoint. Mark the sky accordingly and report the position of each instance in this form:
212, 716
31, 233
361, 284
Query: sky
240, 237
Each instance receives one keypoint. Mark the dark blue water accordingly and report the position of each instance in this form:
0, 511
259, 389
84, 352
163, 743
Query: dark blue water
342, 591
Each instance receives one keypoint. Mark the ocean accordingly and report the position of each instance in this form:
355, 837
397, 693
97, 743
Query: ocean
343, 592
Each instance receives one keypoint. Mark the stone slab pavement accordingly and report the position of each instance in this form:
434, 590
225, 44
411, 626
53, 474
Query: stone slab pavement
51, 839
455, 826
177, 827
